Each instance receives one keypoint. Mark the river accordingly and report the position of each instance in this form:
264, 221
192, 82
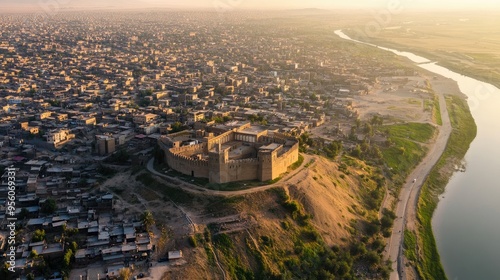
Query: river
465, 223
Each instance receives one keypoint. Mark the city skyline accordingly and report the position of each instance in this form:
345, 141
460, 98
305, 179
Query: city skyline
30, 5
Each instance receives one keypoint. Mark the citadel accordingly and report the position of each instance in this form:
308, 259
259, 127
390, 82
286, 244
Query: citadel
231, 152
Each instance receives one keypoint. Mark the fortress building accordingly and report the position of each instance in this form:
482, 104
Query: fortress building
230, 152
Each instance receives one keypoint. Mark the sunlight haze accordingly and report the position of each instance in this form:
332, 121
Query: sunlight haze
20, 5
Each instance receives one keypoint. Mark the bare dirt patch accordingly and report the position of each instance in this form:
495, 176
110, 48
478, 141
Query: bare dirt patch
397, 99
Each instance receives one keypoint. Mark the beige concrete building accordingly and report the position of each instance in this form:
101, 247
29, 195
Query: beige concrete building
59, 137
44, 115
105, 144
144, 118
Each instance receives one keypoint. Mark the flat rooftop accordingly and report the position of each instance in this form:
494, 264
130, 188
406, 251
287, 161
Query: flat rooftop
241, 151
272, 147
182, 137
254, 130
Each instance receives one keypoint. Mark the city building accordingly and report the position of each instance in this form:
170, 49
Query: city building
59, 137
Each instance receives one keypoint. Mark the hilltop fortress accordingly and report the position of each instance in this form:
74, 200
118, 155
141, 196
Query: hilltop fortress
230, 152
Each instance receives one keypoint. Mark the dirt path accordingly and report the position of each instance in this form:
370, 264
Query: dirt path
408, 198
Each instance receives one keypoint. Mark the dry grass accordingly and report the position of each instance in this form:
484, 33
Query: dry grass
468, 43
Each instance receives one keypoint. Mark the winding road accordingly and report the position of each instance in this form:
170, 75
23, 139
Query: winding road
407, 200
408, 197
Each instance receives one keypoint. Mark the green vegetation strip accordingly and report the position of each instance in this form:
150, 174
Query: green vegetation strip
436, 112
402, 152
410, 246
464, 131
420, 132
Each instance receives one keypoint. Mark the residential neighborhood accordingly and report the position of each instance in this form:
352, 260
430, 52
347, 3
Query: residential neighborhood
83, 95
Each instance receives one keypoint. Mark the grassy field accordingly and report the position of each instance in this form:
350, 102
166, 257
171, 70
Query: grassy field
410, 246
428, 261
467, 43
406, 150
420, 132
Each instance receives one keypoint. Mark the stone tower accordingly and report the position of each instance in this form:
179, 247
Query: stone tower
217, 159
265, 165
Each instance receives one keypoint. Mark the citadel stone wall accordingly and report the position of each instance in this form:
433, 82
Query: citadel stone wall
186, 165
223, 138
218, 168
235, 170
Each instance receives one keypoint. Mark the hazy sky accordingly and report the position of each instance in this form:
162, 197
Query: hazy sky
6, 5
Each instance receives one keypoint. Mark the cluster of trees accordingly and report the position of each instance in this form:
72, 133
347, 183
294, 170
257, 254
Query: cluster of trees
333, 149
49, 206
148, 220
38, 235
330, 150
257, 119
365, 151
221, 119
177, 127
305, 141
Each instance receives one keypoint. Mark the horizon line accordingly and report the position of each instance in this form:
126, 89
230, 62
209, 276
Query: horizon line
20, 9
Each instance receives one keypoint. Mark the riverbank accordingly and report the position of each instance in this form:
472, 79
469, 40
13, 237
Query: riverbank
421, 249
423, 253
436, 44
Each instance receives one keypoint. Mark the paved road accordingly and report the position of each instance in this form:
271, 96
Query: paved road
408, 198
200, 190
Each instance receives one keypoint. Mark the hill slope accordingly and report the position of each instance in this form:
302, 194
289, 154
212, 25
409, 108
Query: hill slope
315, 226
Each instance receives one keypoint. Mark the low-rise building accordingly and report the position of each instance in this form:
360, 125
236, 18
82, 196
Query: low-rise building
144, 118
59, 136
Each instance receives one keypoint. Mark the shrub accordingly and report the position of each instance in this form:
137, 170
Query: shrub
192, 241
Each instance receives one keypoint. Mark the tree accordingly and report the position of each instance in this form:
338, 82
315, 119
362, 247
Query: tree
372, 227
356, 152
38, 235
372, 258
73, 246
376, 120
162, 241
378, 244
386, 222
33, 254
67, 258
192, 241
358, 248
176, 127
377, 153
343, 269
368, 129
125, 273
333, 149
49, 206
148, 220
218, 119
